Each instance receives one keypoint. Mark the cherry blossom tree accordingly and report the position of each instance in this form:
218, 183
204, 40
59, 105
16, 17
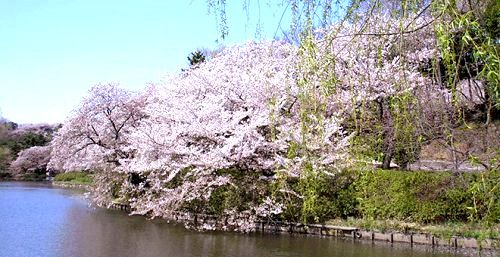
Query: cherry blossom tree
234, 116
31, 160
95, 137
218, 116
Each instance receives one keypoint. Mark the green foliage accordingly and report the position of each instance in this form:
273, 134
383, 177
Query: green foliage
368, 140
490, 19
312, 102
377, 136
116, 188
16, 143
427, 196
485, 192
325, 197
219, 200
336, 197
281, 190
469, 48
309, 185
196, 205
407, 143
31, 139
383, 196
74, 177
178, 178
12, 141
5, 158
232, 197
196, 57
245, 190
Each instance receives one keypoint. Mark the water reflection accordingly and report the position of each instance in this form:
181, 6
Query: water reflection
38, 220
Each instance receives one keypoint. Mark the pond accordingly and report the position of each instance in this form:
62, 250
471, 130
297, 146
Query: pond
37, 219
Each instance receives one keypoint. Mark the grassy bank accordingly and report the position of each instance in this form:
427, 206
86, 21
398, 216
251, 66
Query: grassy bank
75, 178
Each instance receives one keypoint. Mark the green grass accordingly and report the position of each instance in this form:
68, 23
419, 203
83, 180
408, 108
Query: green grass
82, 178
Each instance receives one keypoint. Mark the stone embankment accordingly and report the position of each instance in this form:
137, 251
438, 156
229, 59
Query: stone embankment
390, 237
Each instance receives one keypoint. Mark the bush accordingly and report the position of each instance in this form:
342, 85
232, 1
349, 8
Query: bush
332, 197
246, 190
415, 196
336, 197
422, 196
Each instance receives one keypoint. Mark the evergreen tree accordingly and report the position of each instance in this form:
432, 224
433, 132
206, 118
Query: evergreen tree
196, 58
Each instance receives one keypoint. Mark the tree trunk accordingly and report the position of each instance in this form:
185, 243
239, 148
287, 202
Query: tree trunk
386, 160
387, 133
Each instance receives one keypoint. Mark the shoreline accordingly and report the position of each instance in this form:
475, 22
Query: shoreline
208, 222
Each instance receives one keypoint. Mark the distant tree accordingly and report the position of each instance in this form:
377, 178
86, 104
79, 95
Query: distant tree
21, 141
10, 125
5, 152
31, 160
196, 57
5, 158
15, 139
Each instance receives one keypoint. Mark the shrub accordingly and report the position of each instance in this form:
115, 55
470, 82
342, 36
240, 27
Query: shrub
334, 197
415, 196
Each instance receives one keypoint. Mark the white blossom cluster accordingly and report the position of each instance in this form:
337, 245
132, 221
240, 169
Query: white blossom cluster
32, 159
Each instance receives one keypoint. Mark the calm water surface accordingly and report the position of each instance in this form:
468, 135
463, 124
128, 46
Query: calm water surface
39, 220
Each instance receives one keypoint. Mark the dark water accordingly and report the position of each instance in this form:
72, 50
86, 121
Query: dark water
38, 220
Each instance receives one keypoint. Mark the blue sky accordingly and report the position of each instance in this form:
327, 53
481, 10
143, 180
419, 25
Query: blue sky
53, 51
